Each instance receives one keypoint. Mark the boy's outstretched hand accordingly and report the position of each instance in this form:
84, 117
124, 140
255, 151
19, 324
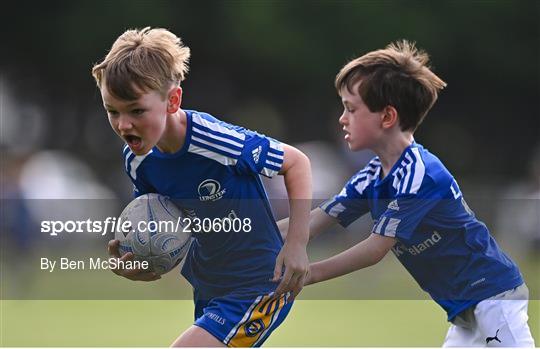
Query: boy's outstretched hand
135, 274
293, 257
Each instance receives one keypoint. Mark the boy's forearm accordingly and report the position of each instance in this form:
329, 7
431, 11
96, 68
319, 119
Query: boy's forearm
362, 255
298, 183
283, 226
344, 263
319, 221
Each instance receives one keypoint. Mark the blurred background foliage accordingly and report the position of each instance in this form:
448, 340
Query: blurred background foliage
285, 54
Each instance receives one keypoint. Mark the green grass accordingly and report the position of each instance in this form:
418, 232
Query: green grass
157, 323
378, 306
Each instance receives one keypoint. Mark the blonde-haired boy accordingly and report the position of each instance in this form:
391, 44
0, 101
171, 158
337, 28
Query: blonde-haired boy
417, 206
212, 170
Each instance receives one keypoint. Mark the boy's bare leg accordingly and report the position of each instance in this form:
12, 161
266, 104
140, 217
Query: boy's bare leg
196, 337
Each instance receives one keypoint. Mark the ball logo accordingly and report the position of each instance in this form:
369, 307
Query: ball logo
210, 190
254, 327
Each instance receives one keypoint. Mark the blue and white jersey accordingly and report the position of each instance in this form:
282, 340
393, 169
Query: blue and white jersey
440, 242
216, 175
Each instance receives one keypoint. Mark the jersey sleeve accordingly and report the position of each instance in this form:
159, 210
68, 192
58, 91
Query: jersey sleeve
351, 203
248, 152
260, 155
405, 212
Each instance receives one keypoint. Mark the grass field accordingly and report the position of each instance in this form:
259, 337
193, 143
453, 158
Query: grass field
381, 306
157, 323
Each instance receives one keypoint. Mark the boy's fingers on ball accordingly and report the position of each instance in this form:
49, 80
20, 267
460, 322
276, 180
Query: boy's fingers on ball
127, 257
112, 248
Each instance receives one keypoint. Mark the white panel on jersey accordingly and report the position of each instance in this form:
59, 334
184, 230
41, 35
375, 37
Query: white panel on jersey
135, 163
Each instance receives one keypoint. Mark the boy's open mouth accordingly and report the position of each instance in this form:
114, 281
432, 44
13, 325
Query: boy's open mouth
347, 135
134, 142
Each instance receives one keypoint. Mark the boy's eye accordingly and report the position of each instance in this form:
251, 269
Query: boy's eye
137, 111
347, 108
112, 112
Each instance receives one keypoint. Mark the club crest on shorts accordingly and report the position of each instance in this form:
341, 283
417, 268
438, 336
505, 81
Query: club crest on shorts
254, 327
210, 190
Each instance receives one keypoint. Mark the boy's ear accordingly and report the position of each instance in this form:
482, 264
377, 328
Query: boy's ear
390, 117
174, 99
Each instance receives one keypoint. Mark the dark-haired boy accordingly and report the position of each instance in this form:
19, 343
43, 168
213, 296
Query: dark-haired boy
417, 206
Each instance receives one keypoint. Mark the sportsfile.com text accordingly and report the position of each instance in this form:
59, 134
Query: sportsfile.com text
117, 225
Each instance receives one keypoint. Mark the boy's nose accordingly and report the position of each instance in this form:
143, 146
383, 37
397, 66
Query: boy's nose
342, 119
124, 123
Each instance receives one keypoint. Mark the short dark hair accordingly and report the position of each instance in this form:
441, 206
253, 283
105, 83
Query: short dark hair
398, 76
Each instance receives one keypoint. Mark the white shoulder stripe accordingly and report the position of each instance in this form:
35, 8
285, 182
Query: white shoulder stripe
222, 159
217, 146
412, 166
407, 172
398, 173
221, 139
197, 119
419, 172
363, 184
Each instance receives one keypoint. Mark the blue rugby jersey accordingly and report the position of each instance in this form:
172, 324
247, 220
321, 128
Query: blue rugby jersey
215, 175
447, 250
